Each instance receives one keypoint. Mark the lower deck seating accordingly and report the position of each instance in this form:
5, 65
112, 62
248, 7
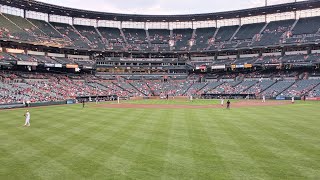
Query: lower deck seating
17, 86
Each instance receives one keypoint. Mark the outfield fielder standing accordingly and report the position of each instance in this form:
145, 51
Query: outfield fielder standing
221, 101
27, 115
228, 104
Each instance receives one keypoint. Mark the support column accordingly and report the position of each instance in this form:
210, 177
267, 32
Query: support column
265, 18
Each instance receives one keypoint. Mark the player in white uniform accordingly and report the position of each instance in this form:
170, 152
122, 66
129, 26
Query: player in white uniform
292, 99
221, 101
263, 98
27, 115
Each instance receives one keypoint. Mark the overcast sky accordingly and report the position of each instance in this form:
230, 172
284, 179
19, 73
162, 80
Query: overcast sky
163, 6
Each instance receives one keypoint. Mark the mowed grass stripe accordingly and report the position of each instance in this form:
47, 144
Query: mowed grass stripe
209, 162
178, 155
150, 159
292, 155
294, 127
33, 158
105, 146
239, 163
11, 161
300, 147
122, 160
75, 152
258, 150
256, 128
303, 152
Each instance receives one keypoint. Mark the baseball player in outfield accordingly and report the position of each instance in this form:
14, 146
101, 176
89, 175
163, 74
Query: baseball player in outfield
263, 98
292, 99
27, 115
228, 104
221, 101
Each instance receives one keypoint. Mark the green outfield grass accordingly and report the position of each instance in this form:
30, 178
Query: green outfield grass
69, 142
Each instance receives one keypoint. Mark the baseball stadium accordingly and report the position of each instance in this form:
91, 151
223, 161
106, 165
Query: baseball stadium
86, 94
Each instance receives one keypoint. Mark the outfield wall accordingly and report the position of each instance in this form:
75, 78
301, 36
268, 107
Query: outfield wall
228, 96
158, 97
313, 98
37, 104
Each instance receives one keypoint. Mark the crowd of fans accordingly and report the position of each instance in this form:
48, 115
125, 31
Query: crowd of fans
225, 88
43, 87
18, 87
5, 33
315, 92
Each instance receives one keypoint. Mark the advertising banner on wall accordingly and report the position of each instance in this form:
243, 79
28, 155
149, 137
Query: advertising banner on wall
48, 65
72, 66
201, 67
4, 63
16, 51
240, 66
27, 63
313, 98
280, 98
219, 67
87, 67
272, 64
58, 65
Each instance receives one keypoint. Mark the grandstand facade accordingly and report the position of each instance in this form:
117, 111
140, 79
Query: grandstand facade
271, 51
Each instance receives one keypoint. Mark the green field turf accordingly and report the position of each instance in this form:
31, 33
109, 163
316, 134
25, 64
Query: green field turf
68, 142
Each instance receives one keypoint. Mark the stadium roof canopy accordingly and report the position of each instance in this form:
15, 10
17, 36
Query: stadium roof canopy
31, 5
